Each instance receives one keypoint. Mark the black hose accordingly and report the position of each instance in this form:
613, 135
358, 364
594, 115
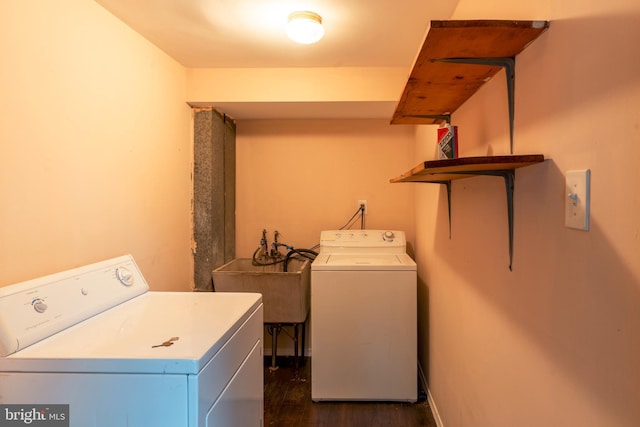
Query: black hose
301, 252
256, 262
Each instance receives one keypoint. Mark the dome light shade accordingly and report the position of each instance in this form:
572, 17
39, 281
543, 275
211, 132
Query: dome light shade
305, 27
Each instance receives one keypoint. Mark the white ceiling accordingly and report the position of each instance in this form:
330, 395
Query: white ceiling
250, 33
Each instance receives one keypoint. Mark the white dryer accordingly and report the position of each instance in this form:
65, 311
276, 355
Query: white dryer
363, 318
95, 341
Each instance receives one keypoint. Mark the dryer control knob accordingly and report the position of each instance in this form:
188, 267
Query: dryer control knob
39, 306
388, 235
124, 276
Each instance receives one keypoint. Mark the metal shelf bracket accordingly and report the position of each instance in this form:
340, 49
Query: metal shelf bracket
509, 183
440, 117
509, 65
509, 177
448, 185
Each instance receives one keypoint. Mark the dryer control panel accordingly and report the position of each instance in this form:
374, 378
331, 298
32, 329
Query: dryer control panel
381, 241
36, 309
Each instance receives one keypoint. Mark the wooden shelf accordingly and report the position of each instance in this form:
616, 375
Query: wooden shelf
445, 171
456, 59
439, 171
436, 87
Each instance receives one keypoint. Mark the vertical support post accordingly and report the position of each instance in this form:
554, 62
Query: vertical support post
295, 340
274, 330
274, 345
213, 194
304, 328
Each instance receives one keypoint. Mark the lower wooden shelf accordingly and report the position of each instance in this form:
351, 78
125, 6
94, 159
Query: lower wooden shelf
447, 170
463, 167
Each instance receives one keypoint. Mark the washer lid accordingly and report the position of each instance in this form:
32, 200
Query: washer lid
362, 262
121, 340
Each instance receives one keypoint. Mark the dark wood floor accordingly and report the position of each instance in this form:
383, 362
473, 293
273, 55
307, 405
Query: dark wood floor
287, 403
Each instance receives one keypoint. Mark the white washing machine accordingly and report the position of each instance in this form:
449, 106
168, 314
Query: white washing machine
95, 345
364, 318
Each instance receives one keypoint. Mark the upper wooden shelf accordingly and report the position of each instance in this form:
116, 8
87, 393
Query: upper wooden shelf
441, 171
439, 88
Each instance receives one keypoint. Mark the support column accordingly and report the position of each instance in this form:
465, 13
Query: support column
214, 178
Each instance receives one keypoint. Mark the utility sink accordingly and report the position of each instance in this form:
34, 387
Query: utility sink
285, 295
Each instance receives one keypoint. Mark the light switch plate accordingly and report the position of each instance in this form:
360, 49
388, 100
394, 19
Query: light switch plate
577, 195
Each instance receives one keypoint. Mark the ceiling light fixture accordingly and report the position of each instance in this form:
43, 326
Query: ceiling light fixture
305, 27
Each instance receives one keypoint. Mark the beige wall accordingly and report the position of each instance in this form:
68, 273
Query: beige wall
298, 93
337, 84
555, 342
95, 147
95, 158
304, 176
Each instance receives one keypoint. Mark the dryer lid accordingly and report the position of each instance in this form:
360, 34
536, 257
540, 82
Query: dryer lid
128, 338
102, 318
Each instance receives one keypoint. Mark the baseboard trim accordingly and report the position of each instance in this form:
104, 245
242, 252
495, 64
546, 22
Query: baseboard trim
432, 403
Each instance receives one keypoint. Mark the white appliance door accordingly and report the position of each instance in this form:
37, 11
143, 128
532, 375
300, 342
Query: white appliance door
103, 400
364, 335
241, 402
229, 390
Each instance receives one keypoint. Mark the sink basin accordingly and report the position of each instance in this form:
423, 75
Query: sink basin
285, 295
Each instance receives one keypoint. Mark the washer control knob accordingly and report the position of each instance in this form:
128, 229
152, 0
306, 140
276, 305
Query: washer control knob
39, 305
388, 235
124, 276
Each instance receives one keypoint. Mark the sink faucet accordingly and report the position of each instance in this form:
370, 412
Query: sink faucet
264, 244
274, 251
